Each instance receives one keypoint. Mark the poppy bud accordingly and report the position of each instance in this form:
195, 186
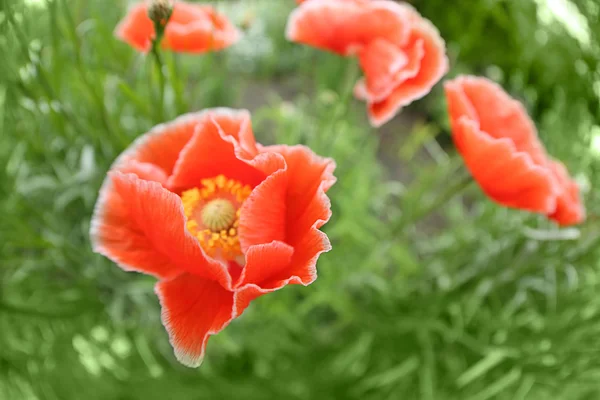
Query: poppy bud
160, 12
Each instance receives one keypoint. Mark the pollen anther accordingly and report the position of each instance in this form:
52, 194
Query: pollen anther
213, 212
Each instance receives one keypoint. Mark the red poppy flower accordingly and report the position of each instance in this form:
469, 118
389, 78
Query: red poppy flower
192, 28
401, 54
346, 26
216, 217
500, 146
398, 74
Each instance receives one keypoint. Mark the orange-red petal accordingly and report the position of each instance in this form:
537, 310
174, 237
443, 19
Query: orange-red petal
140, 226
195, 28
263, 215
193, 308
293, 200
507, 176
496, 112
264, 264
569, 209
212, 151
385, 67
136, 29
307, 178
143, 170
427, 46
310, 177
345, 26
163, 144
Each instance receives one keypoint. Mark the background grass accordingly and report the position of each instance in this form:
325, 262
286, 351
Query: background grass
473, 302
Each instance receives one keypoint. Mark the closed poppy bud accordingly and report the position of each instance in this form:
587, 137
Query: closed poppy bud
216, 217
500, 146
160, 11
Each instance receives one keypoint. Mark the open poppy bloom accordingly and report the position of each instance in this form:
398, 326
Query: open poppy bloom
500, 146
192, 28
216, 217
398, 74
401, 54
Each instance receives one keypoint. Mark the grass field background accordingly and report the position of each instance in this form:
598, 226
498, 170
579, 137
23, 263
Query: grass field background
471, 302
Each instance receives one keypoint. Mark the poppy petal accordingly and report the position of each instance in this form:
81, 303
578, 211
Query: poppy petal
200, 37
309, 177
141, 226
264, 262
272, 266
289, 202
162, 145
511, 178
263, 215
244, 296
383, 73
237, 124
196, 28
301, 269
379, 61
345, 26
212, 152
496, 112
145, 171
136, 28
193, 309
433, 66
569, 209
307, 209
260, 224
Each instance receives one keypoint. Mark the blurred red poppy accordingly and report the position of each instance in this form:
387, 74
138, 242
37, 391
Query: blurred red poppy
346, 26
401, 54
398, 74
216, 217
499, 144
192, 28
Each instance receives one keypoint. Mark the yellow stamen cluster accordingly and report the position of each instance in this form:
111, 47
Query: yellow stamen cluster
213, 212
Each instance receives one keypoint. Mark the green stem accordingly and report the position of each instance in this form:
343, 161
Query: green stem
176, 83
160, 22
341, 107
442, 199
161, 78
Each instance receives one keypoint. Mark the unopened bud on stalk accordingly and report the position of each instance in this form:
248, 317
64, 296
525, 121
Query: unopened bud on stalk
160, 12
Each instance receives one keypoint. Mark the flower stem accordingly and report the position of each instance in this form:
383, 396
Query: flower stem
160, 12
341, 107
442, 199
161, 78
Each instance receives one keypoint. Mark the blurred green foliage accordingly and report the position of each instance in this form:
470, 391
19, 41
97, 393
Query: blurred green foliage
474, 302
